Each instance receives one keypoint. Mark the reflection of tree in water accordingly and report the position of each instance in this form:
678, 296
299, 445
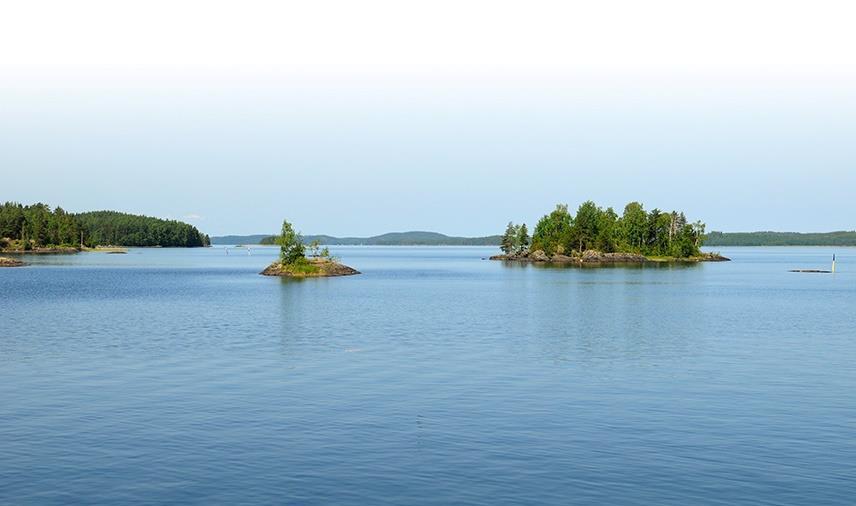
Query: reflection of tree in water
616, 314
292, 313
309, 317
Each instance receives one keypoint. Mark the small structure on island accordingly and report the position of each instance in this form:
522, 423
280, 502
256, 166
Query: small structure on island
294, 263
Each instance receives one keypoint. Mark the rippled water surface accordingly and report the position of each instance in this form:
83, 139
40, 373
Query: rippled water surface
435, 377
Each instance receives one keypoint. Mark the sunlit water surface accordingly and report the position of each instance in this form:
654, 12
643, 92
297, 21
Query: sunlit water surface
435, 377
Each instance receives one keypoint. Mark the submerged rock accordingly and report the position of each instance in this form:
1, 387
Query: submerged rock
10, 262
312, 268
713, 257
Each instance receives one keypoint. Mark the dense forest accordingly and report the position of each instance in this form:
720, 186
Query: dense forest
651, 233
781, 239
39, 226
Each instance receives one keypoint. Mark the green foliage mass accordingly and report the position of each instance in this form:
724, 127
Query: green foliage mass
552, 233
37, 226
653, 233
515, 240
291, 248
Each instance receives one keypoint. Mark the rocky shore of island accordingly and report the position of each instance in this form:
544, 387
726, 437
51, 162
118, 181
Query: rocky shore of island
47, 250
310, 268
593, 257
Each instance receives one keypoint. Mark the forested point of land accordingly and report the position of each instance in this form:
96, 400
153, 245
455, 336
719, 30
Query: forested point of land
39, 226
650, 233
841, 238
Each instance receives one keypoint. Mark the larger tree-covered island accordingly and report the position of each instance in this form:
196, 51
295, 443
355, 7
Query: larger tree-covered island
600, 236
39, 229
294, 263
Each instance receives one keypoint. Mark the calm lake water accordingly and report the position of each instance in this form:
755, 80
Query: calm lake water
435, 377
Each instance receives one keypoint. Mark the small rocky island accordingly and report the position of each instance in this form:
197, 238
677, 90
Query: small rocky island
293, 262
311, 268
10, 262
597, 236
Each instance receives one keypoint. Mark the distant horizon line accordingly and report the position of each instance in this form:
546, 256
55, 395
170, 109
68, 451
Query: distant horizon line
498, 235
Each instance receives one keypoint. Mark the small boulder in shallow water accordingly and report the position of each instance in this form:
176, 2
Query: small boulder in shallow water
10, 262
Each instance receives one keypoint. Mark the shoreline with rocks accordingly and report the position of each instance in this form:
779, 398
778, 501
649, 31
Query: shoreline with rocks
594, 258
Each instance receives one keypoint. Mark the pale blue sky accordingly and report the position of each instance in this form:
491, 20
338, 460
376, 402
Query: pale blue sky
440, 143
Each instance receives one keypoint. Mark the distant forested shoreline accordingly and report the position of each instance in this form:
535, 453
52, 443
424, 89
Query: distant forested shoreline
842, 238
38, 226
415, 238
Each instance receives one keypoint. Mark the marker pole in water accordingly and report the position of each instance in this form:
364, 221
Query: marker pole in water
833, 263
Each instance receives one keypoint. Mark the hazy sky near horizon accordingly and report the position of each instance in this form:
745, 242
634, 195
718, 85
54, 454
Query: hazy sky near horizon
358, 118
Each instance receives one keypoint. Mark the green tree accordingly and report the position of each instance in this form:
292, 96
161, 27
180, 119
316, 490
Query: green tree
607, 231
634, 224
521, 242
552, 233
291, 249
585, 228
507, 242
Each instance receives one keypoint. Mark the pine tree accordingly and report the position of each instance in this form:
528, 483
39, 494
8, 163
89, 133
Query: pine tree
507, 242
522, 239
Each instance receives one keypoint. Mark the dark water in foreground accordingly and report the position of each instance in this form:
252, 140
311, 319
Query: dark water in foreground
433, 378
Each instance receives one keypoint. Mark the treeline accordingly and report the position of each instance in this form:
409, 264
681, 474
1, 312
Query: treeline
39, 226
781, 239
650, 233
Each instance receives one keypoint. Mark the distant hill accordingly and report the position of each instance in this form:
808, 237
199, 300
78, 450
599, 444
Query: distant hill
420, 238
780, 239
239, 239
415, 238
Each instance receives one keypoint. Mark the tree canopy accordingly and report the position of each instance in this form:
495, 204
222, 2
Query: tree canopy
652, 233
38, 225
515, 239
291, 247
